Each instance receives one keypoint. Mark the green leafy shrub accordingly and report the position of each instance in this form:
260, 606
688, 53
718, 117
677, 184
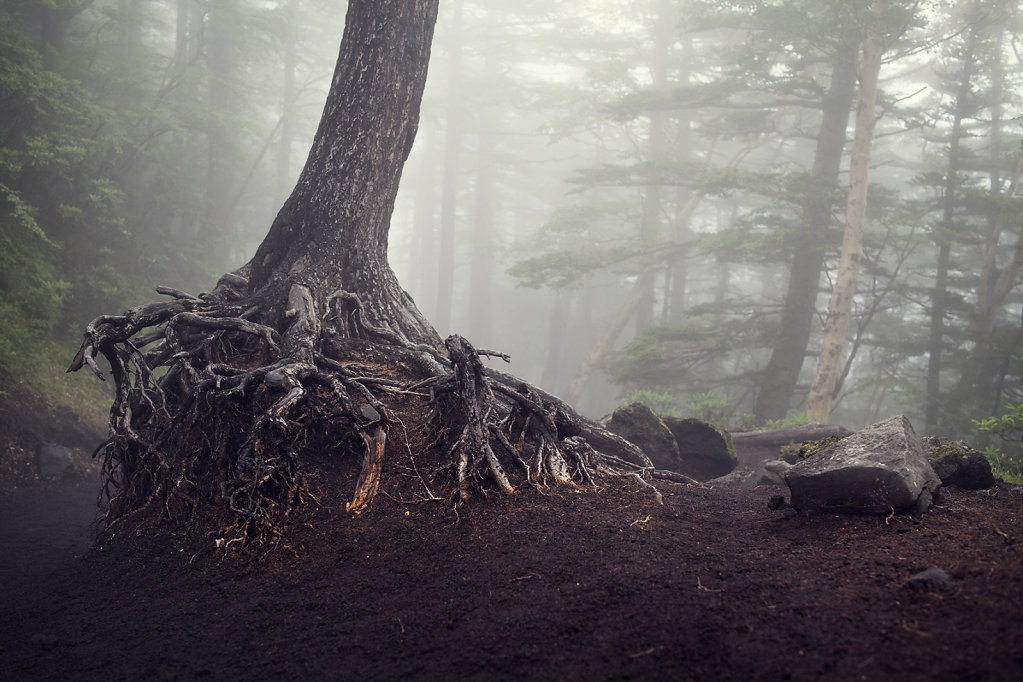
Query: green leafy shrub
1006, 461
660, 400
709, 407
793, 453
792, 422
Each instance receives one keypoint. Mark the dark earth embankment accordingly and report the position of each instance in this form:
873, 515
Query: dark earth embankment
570, 586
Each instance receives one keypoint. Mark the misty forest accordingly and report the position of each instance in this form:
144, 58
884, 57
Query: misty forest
451, 339
643, 200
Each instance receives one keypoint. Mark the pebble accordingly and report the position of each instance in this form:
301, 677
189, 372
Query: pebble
932, 579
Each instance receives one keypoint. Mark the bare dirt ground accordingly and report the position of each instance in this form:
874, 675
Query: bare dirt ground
602, 585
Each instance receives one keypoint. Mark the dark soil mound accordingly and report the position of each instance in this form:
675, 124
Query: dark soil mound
589, 585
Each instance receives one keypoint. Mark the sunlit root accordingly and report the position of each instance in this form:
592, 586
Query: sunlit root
369, 478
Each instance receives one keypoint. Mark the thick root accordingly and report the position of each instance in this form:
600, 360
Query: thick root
214, 406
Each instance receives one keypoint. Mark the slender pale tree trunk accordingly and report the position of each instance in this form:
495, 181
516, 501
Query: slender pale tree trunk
836, 328
781, 375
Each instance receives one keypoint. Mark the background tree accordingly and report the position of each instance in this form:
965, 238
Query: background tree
836, 326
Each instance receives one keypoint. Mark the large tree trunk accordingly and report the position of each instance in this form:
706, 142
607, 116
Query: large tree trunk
331, 234
313, 348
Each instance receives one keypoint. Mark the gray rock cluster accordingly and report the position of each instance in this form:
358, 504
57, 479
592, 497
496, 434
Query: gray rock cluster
689, 446
881, 469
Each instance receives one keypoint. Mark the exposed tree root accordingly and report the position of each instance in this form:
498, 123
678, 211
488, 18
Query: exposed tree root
217, 408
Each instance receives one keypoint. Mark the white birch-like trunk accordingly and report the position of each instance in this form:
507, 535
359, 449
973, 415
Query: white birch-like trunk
836, 327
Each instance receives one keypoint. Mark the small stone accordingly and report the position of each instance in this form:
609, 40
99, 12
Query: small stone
932, 579
369, 413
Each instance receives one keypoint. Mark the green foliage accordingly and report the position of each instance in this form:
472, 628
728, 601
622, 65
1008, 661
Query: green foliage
660, 400
793, 453
36, 374
748, 422
792, 422
709, 407
1005, 466
1007, 461
1008, 426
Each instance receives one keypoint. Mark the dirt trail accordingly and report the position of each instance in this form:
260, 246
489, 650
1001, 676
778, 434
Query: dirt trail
594, 586
43, 528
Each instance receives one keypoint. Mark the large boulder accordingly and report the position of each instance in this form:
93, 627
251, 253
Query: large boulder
705, 450
638, 424
959, 465
881, 469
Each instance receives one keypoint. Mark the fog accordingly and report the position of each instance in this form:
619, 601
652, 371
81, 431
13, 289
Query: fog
638, 199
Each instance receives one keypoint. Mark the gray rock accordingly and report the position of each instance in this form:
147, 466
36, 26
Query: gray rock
932, 579
369, 413
736, 477
638, 424
55, 461
881, 469
768, 472
959, 465
706, 451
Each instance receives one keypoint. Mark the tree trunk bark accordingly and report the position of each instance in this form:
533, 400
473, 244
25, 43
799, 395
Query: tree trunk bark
836, 328
331, 234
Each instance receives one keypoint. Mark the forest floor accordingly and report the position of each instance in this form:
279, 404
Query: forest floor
574, 585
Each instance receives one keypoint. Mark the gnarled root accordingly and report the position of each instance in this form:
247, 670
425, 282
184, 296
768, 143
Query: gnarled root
475, 403
214, 404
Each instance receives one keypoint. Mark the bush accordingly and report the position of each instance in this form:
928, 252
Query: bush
660, 401
709, 407
1006, 461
